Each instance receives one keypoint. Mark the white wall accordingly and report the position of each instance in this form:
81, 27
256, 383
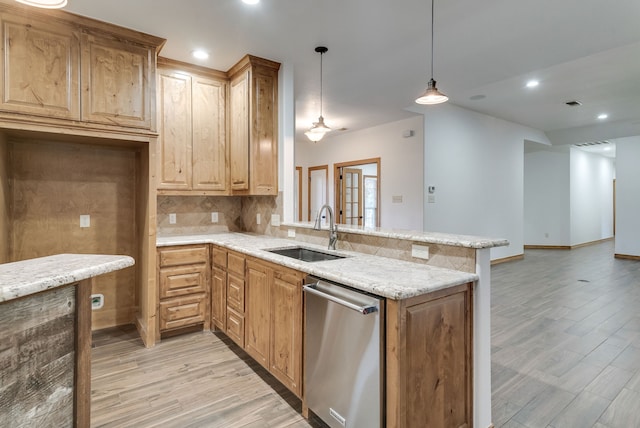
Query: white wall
591, 178
546, 196
627, 196
401, 166
476, 163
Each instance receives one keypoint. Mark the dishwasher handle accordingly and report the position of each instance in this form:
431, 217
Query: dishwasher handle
364, 310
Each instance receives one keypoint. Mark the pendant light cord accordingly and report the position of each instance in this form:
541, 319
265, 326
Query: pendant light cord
321, 54
432, 1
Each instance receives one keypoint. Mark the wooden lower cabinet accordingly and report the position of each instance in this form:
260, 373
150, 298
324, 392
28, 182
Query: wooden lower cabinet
258, 313
183, 281
429, 360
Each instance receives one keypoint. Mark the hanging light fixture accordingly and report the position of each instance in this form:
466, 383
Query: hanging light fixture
318, 129
46, 4
432, 95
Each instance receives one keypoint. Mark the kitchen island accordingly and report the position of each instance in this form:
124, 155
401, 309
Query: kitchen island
431, 338
45, 342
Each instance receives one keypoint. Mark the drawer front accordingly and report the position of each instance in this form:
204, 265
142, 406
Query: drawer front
219, 257
187, 255
178, 281
235, 327
235, 292
235, 264
182, 311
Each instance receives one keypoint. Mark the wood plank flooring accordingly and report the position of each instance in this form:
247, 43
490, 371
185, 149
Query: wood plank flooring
194, 380
565, 353
566, 340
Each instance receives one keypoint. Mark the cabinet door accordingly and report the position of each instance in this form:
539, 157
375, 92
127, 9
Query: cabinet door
263, 173
286, 330
235, 292
116, 81
438, 355
209, 155
40, 68
219, 298
257, 311
239, 132
174, 127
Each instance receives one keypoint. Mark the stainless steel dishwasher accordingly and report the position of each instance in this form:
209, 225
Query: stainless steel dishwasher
344, 360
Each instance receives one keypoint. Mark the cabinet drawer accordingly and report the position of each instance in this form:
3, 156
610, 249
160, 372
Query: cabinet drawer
183, 255
219, 258
178, 281
182, 311
235, 326
235, 292
235, 264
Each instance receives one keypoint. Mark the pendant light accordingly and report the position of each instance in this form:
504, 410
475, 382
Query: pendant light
318, 129
46, 4
432, 95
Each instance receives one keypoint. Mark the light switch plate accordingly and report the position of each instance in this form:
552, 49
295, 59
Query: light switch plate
172, 218
258, 221
85, 220
420, 252
431, 199
214, 217
275, 219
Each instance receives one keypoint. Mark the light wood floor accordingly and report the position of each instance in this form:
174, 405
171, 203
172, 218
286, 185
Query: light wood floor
566, 340
565, 353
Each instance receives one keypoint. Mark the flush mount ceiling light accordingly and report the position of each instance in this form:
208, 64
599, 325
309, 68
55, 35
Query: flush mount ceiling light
532, 83
318, 129
46, 4
432, 95
250, 1
603, 116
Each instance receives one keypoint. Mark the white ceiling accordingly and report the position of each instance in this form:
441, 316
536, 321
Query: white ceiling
378, 59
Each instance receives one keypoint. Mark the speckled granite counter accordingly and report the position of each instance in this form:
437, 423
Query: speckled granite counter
467, 241
19, 279
394, 279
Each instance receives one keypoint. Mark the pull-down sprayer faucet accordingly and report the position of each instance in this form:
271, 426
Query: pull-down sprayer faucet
333, 228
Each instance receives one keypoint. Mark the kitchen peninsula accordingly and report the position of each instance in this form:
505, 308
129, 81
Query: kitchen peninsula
45, 351
422, 301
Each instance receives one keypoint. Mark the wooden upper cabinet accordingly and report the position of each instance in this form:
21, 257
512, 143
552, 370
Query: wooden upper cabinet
116, 76
253, 126
174, 126
192, 152
60, 69
40, 68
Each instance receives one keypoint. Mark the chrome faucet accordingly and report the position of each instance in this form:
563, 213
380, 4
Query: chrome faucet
333, 228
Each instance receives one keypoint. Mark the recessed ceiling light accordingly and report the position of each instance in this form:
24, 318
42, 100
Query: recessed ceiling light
200, 54
532, 83
251, 1
603, 116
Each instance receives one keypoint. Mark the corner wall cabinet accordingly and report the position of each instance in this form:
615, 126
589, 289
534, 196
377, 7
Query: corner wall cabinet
192, 154
183, 287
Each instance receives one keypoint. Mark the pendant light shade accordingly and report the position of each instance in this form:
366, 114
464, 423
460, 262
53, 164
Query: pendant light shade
318, 129
432, 95
46, 4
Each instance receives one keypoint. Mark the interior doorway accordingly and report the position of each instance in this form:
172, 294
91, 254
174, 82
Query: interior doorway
318, 190
357, 192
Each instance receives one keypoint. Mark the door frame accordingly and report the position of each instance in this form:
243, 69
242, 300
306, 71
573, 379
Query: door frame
336, 180
299, 170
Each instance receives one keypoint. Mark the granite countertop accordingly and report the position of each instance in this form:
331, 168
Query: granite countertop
19, 279
468, 241
386, 277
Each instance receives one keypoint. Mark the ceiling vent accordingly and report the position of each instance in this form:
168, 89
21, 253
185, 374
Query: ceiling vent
592, 143
573, 103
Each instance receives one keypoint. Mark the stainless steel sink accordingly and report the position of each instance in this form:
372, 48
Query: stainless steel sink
305, 254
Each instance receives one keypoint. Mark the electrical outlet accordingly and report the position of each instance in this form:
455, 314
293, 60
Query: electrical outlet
97, 301
291, 233
420, 252
275, 219
85, 220
258, 218
172, 218
214, 217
